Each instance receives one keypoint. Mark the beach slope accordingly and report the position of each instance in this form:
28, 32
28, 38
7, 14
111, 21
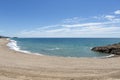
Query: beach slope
20, 66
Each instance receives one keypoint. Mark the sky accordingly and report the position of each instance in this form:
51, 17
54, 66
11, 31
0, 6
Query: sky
60, 18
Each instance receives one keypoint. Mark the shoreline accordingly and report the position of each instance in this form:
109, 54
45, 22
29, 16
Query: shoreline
19, 66
12, 44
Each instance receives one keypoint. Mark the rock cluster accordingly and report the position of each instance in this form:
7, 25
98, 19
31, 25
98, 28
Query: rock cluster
110, 49
3, 37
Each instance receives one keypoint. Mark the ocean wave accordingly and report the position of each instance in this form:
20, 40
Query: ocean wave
54, 49
13, 45
103, 57
109, 56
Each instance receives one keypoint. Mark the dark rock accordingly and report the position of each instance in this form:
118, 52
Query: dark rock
15, 37
110, 49
3, 37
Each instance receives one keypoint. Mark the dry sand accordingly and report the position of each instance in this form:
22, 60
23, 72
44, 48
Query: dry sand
19, 66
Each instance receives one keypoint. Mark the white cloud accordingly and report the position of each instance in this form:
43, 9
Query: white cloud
95, 30
82, 25
74, 20
109, 26
100, 17
117, 12
57, 30
110, 17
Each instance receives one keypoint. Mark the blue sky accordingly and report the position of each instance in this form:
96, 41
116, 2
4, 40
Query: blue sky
60, 18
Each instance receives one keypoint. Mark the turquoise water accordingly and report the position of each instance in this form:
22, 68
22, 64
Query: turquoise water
67, 47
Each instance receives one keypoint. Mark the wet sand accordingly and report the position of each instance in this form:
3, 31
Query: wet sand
20, 66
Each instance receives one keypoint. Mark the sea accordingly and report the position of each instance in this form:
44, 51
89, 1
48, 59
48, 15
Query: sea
61, 47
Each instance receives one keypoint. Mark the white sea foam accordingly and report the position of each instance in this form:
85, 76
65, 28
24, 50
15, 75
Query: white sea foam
13, 45
8, 39
54, 49
111, 55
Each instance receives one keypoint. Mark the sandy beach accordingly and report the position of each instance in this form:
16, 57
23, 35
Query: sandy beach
20, 66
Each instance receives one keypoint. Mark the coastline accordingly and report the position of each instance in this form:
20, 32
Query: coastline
12, 44
16, 65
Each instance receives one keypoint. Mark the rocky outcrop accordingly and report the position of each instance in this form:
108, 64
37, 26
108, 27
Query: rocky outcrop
110, 49
3, 37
